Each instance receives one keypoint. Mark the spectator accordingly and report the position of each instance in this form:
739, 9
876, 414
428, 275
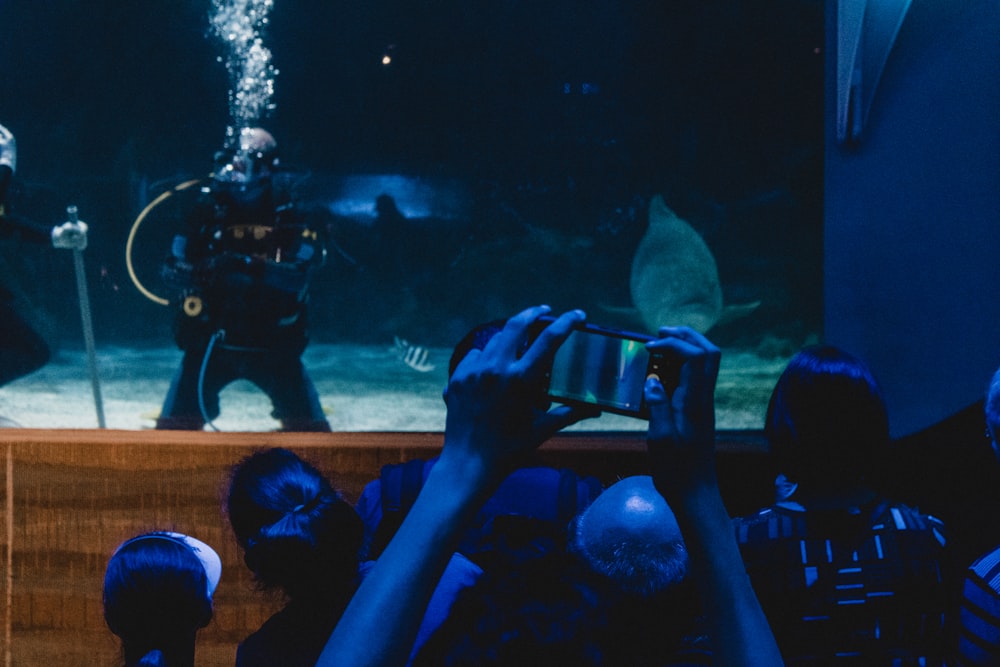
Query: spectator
302, 539
979, 638
846, 575
630, 535
157, 594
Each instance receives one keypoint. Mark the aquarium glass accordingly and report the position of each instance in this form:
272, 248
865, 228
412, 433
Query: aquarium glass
652, 163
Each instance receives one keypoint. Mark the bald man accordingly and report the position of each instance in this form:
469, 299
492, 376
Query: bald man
630, 535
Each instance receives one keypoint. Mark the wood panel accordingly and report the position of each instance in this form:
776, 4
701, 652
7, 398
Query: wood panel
70, 497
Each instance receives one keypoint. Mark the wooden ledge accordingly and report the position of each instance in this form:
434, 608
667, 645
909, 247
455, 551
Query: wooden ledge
748, 442
69, 497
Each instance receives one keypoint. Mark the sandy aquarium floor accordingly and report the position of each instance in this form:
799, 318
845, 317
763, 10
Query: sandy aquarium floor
362, 388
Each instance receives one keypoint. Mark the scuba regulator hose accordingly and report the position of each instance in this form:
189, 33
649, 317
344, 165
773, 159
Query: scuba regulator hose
135, 228
216, 337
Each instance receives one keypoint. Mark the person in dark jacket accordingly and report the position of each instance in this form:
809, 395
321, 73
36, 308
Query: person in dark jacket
22, 349
241, 273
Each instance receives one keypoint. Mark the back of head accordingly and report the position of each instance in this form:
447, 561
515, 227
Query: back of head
630, 535
298, 534
992, 407
826, 421
157, 594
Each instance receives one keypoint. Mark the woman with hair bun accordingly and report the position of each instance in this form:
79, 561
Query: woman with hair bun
301, 539
157, 594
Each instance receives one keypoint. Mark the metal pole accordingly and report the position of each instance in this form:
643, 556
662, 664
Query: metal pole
88, 326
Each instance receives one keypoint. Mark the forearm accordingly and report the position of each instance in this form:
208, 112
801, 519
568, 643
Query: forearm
381, 621
11, 225
738, 629
492, 419
287, 277
26, 230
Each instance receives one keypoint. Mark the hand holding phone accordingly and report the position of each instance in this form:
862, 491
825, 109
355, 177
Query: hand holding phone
607, 368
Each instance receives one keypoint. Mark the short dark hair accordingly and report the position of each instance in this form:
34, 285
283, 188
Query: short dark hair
298, 534
155, 596
827, 420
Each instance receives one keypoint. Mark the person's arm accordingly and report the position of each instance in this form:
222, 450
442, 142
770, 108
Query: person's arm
69, 235
9, 224
492, 418
681, 444
298, 253
188, 266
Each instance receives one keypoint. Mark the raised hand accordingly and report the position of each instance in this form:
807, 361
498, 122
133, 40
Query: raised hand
494, 394
681, 436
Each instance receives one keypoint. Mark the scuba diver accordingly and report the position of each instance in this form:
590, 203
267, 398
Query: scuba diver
241, 271
22, 349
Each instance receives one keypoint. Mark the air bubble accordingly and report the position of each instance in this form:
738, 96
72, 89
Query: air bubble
238, 24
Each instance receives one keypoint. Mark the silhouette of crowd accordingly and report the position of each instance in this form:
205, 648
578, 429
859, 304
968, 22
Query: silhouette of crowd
485, 556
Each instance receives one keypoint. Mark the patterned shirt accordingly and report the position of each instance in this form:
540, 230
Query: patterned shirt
979, 638
862, 587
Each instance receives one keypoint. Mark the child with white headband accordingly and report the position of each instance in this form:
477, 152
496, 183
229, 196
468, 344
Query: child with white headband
157, 594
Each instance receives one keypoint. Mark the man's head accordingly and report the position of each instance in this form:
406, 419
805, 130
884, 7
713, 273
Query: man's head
245, 169
630, 535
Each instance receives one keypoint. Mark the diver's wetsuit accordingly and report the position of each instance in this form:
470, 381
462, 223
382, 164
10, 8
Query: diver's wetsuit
242, 273
22, 349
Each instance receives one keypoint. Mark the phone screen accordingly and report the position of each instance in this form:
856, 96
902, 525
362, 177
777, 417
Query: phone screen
603, 369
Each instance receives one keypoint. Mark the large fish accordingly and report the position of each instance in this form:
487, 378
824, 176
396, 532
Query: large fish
674, 278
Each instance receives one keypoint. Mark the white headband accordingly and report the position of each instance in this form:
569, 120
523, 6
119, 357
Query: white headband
209, 559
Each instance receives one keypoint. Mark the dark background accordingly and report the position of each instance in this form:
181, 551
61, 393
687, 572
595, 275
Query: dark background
563, 116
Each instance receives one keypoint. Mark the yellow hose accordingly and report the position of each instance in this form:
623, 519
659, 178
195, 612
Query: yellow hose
135, 228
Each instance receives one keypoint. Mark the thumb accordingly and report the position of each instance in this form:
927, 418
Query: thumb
654, 391
660, 409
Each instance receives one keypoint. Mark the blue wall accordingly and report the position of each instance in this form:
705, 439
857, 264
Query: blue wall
912, 240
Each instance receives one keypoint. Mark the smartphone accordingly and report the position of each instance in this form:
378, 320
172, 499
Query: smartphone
606, 368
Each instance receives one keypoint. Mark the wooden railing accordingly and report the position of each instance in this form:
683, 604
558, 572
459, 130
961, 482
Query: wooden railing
70, 497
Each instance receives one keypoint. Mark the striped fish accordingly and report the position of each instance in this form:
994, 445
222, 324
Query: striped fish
414, 356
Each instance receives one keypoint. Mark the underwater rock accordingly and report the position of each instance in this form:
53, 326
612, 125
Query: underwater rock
674, 279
